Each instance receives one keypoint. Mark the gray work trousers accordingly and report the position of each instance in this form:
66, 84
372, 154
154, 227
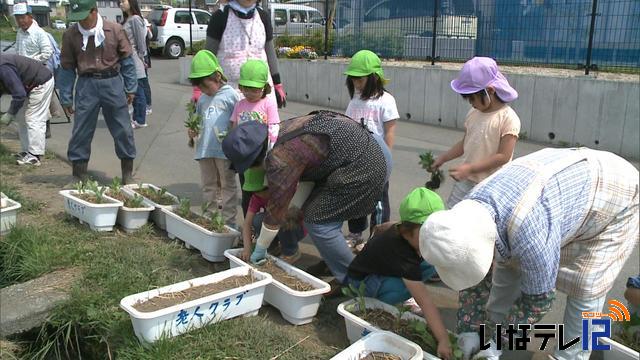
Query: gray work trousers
91, 96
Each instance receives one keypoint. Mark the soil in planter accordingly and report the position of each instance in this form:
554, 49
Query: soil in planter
92, 198
377, 355
127, 201
195, 292
204, 222
150, 194
280, 275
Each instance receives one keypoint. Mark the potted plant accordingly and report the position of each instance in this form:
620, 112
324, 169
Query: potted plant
387, 317
193, 122
625, 342
381, 345
426, 161
135, 212
176, 309
206, 232
89, 203
297, 306
8, 213
157, 197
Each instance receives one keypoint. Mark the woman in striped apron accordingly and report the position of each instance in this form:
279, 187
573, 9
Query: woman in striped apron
564, 219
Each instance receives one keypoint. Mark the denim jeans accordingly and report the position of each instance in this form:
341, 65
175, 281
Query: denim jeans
330, 242
288, 238
140, 104
388, 289
147, 88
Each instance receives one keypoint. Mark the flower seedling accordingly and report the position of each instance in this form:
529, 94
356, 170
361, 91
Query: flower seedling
134, 202
97, 190
426, 161
216, 222
116, 185
358, 295
193, 122
184, 209
80, 187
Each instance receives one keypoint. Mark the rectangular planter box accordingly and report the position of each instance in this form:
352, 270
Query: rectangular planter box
99, 217
382, 341
212, 245
132, 219
357, 327
181, 318
8, 214
157, 216
618, 351
297, 307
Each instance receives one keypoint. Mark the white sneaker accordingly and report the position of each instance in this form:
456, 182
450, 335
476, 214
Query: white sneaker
29, 160
149, 111
135, 125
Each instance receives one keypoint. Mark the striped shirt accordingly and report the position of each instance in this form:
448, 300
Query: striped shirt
34, 43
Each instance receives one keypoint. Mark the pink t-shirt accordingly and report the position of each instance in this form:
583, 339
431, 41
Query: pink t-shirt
257, 203
264, 111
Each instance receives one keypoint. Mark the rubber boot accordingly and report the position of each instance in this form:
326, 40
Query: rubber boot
80, 170
127, 169
47, 134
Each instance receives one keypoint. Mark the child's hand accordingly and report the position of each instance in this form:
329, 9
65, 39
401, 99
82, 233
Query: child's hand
444, 350
460, 172
436, 164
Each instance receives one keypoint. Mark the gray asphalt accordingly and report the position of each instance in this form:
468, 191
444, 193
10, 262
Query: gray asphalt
164, 159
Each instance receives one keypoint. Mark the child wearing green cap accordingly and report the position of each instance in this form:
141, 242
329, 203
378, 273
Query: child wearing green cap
256, 106
214, 106
392, 268
289, 234
376, 109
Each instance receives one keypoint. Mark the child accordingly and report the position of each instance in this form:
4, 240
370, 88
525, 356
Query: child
372, 105
391, 265
289, 234
491, 126
215, 106
256, 106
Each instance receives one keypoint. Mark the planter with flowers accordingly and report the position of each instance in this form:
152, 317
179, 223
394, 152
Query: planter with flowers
8, 213
134, 213
154, 196
89, 204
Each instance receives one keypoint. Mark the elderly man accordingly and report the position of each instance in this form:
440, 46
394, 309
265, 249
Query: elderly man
557, 218
27, 79
33, 42
99, 52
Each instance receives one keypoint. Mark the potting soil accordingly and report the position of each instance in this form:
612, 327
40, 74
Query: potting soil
205, 223
195, 292
124, 199
92, 198
150, 194
377, 355
280, 275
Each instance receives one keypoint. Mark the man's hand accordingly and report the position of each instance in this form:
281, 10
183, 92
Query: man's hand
7, 118
68, 110
281, 95
130, 98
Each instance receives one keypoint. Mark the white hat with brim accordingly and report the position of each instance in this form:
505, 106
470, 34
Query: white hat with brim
460, 243
21, 9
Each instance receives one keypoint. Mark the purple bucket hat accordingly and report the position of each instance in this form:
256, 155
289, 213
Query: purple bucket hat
480, 72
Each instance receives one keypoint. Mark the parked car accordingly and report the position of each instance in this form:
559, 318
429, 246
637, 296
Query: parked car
295, 19
58, 24
170, 29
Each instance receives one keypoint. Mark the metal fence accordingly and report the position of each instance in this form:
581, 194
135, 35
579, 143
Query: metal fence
586, 34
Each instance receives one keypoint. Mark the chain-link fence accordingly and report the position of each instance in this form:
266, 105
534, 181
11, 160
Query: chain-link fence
570, 33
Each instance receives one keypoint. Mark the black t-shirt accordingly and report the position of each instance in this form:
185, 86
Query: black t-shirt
387, 254
218, 23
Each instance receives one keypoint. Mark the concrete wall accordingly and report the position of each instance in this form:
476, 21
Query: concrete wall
596, 113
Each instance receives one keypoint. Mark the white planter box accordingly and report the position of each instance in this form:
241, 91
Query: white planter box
618, 351
8, 214
132, 219
297, 307
181, 318
357, 327
157, 216
212, 245
382, 341
100, 217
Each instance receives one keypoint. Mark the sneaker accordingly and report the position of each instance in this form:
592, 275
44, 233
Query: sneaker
353, 239
413, 306
149, 111
19, 155
29, 160
290, 259
136, 125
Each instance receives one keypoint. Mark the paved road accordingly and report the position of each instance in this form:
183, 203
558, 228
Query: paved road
164, 159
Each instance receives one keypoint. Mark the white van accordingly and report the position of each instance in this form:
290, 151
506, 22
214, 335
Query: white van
294, 19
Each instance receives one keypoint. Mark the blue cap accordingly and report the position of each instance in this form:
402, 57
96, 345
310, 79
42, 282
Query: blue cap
244, 143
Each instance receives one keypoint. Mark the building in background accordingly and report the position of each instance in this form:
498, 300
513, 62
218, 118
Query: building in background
110, 10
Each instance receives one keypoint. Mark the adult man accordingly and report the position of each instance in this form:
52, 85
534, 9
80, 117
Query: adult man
31, 40
557, 218
98, 50
27, 79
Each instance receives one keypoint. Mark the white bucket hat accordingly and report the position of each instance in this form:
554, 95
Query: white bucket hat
460, 243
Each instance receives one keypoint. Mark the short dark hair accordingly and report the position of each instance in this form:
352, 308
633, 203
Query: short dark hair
266, 90
373, 89
216, 76
408, 226
483, 94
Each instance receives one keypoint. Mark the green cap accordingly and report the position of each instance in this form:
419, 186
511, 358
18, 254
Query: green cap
204, 64
254, 73
365, 63
253, 180
419, 204
80, 9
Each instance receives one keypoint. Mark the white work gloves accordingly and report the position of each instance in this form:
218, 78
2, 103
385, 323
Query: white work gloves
469, 343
